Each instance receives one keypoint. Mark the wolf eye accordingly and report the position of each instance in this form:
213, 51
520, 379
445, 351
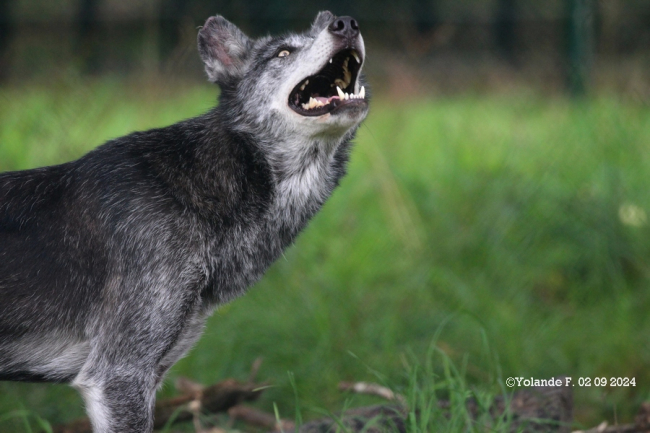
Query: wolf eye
284, 53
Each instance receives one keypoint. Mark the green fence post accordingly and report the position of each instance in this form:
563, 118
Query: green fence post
580, 44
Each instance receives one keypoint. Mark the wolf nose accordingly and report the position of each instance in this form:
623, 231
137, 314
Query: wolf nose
346, 27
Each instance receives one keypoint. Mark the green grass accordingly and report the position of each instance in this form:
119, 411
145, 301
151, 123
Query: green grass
519, 219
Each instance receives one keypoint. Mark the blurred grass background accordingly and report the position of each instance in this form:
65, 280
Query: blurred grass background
519, 216
505, 210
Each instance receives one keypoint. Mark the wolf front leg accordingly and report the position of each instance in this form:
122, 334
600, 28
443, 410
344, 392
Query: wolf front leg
136, 341
118, 402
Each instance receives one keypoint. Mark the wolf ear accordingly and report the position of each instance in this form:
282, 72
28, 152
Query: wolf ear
224, 49
323, 19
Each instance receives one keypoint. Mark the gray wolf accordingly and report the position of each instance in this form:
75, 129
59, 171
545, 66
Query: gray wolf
110, 264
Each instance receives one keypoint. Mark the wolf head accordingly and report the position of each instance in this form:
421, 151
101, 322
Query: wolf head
306, 85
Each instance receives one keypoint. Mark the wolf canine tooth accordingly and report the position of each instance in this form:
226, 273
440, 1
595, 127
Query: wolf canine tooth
340, 92
362, 92
356, 56
308, 105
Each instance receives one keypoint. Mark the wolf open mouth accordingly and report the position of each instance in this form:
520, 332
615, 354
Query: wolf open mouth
331, 87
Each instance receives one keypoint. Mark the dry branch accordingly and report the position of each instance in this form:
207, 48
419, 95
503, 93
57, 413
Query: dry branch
641, 424
373, 389
605, 428
259, 418
213, 399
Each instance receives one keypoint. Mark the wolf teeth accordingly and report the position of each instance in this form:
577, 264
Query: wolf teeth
356, 56
304, 85
314, 103
343, 96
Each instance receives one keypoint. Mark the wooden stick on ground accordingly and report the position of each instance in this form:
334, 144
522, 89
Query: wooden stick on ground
258, 418
372, 389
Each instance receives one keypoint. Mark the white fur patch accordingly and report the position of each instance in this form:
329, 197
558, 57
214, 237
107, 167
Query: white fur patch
51, 355
95, 403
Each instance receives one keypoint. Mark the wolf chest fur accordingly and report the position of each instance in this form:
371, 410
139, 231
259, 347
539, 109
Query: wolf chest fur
110, 264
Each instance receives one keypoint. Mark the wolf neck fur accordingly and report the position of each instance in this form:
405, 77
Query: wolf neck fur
301, 168
270, 191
